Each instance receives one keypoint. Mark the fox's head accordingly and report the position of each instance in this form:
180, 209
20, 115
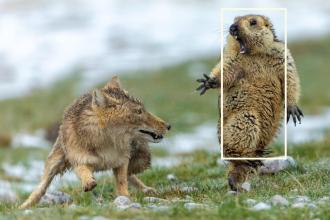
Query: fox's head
251, 34
115, 108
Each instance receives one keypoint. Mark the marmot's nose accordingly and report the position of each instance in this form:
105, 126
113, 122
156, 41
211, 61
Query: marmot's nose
233, 29
168, 127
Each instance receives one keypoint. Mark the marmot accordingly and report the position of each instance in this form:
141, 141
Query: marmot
102, 130
253, 87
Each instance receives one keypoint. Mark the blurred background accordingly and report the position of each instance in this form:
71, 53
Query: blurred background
52, 51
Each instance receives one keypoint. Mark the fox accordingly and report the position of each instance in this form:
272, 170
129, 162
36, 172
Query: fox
102, 130
253, 93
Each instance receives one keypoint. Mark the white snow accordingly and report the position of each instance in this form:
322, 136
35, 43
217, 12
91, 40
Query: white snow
43, 41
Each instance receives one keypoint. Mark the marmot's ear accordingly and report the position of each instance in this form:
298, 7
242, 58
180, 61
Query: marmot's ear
114, 83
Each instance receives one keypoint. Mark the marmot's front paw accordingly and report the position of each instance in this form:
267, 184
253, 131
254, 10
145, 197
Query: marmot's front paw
295, 112
207, 83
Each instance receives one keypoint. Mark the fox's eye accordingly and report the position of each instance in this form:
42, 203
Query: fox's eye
253, 22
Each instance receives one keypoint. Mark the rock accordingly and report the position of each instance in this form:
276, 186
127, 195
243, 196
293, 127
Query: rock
250, 202
275, 166
7, 194
301, 199
192, 205
246, 186
55, 197
122, 201
171, 177
188, 189
279, 200
261, 206
155, 200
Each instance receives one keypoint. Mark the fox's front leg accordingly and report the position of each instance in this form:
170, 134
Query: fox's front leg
136, 182
120, 174
85, 173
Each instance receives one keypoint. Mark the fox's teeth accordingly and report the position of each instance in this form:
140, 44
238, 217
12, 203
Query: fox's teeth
236, 37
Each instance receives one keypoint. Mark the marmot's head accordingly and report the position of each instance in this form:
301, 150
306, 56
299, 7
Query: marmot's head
251, 34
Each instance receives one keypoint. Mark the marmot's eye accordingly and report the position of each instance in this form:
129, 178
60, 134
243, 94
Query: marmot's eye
138, 111
253, 22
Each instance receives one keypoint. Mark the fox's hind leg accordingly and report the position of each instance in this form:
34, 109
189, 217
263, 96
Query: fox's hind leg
241, 137
54, 165
85, 173
140, 160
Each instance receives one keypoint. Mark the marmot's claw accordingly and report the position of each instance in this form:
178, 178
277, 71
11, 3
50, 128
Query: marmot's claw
296, 114
206, 83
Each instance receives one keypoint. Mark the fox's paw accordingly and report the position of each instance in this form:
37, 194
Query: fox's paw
206, 83
89, 185
295, 112
149, 190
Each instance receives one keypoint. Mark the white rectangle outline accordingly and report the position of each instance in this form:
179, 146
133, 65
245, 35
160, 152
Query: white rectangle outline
285, 82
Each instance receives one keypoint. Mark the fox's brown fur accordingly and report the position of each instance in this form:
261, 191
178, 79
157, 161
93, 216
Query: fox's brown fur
106, 129
253, 86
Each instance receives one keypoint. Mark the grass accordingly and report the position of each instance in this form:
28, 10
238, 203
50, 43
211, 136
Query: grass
169, 93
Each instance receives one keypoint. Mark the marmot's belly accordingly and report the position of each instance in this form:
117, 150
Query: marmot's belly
263, 100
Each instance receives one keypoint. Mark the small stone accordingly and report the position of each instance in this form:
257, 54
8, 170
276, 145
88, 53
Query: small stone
188, 189
171, 177
192, 205
261, 206
157, 208
27, 212
250, 202
122, 201
99, 218
155, 200
298, 205
135, 205
231, 192
222, 162
323, 200
311, 205
279, 200
55, 197
246, 186
301, 199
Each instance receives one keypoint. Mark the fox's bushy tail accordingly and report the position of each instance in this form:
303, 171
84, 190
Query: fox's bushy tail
55, 164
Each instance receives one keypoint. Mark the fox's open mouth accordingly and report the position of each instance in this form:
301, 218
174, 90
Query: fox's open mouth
155, 137
242, 47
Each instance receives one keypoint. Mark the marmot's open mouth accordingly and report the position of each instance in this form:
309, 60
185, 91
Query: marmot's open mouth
152, 134
242, 47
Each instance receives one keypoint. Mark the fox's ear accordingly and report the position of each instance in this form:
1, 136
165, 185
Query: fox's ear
114, 83
98, 98
101, 100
